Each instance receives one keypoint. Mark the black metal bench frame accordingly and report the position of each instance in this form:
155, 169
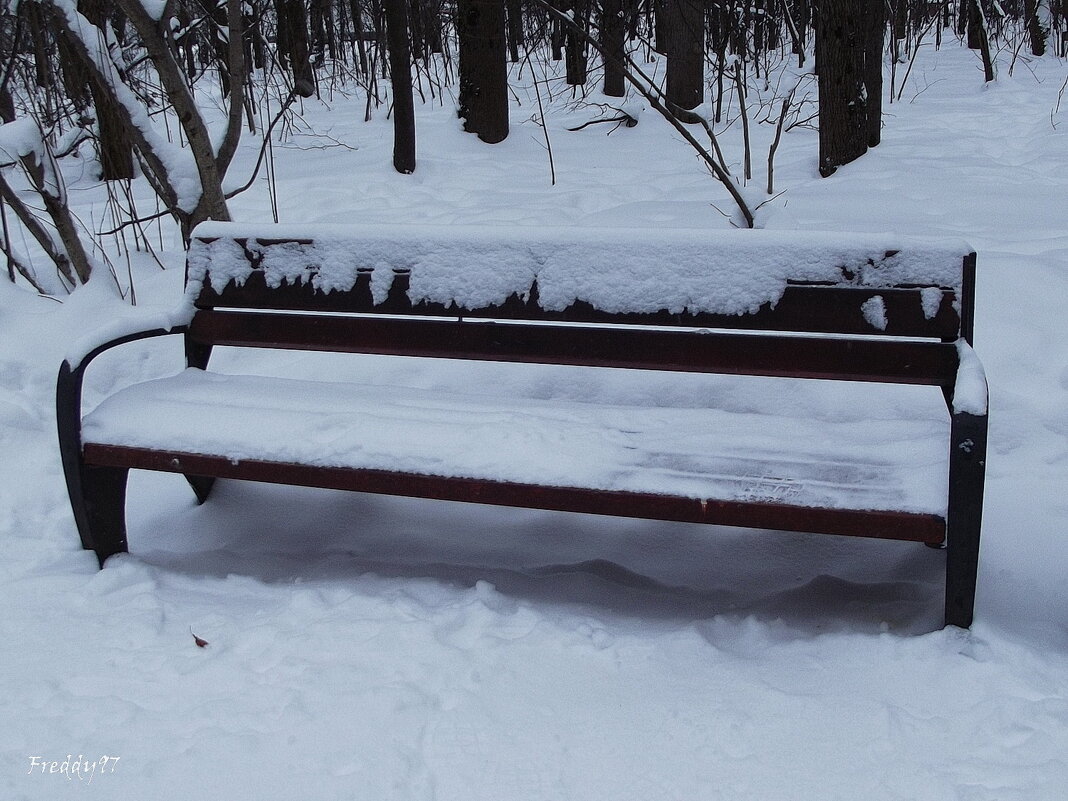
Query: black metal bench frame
813, 331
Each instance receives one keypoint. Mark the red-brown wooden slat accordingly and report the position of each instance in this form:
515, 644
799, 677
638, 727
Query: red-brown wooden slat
908, 362
802, 308
782, 517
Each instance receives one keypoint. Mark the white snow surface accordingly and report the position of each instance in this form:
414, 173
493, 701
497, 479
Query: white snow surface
19, 138
675, 447
363, 647
724, 272
970, 392
874, 309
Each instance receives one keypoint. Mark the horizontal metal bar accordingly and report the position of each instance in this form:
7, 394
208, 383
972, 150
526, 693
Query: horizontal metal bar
853, 359
878, 524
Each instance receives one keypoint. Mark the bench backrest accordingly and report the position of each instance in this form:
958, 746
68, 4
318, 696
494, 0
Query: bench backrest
869, 290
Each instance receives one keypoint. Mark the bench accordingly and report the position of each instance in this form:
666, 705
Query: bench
855, 308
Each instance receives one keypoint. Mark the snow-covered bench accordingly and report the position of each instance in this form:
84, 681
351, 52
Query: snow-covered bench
866, 308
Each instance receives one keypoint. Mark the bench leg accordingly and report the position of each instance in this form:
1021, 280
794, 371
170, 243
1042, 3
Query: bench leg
197, 354
201, 486
967, 472
101, 510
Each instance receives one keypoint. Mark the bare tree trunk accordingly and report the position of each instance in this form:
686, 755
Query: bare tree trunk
37, 231
874, 32
34, 17
400, 70
483, 68
69, 254
977, 20
575, 51
613, 35
7, 106
293, 31
557, 33
844, 128
114, 147
515, 28
433, 26
974, 23
360, 34
1037, 31
416, 25
683, 28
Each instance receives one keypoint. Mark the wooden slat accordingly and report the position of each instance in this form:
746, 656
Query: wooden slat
906, 362
757, 514
802, 308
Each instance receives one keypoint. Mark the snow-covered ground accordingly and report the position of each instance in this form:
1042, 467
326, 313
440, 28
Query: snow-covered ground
370, 648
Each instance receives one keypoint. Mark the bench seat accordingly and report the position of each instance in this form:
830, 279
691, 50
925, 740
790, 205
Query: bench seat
609, 444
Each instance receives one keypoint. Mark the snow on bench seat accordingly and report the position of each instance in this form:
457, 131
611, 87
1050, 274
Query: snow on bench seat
702, 453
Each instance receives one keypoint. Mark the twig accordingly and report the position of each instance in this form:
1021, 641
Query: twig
544, 124
775, 141
740, 87
1057, 108
912, 60
632, 72
624, 118
263, 147
548, 141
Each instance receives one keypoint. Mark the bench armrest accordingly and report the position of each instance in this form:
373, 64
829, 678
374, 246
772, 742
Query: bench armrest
69, 399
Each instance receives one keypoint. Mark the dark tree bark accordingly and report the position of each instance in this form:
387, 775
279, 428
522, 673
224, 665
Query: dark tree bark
901, 19
977, 30
317, 26
12, 39
874, 33
483, 68
256, 50
557, 34
359, 33
43, 69
843, 108
432, 25
281, 33
576, 50
613, 34
400, 70
293, 40
116, 151
329, 20
682, 28
7, 106
1036, 30
515, 28
416, 23
974, 23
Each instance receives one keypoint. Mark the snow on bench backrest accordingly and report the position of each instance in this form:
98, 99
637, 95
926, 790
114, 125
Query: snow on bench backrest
853, 283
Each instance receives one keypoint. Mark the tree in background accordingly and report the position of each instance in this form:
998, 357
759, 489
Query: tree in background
400, 70
681, 37
159, 92
849, 47
483, 68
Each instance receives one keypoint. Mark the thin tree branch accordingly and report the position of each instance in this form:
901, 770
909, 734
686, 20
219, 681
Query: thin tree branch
647, 89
